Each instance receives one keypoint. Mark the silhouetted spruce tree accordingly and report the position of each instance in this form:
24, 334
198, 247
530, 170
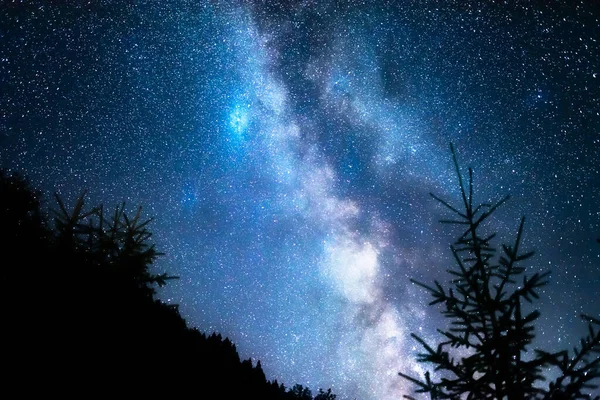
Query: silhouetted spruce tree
300, 392
481, 355
322, 395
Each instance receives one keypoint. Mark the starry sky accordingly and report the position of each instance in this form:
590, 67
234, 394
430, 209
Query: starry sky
286, 149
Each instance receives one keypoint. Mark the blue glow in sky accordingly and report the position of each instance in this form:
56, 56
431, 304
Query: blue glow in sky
239, 120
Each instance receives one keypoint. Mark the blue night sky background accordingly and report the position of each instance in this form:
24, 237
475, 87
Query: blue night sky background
286, 150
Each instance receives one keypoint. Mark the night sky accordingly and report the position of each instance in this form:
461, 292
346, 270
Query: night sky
286, 151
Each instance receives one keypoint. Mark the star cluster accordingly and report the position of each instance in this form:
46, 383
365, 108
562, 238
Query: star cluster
287, 149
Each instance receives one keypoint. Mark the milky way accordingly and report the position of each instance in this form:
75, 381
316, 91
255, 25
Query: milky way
286, 151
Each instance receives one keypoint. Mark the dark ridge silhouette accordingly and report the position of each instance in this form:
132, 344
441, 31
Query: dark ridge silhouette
482, 355
80, 317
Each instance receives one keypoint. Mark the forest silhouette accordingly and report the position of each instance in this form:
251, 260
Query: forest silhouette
81, 316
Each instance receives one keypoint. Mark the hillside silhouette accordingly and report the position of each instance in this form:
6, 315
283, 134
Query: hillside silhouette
81, 317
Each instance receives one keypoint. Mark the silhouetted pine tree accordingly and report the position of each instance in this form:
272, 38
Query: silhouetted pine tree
481, 355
